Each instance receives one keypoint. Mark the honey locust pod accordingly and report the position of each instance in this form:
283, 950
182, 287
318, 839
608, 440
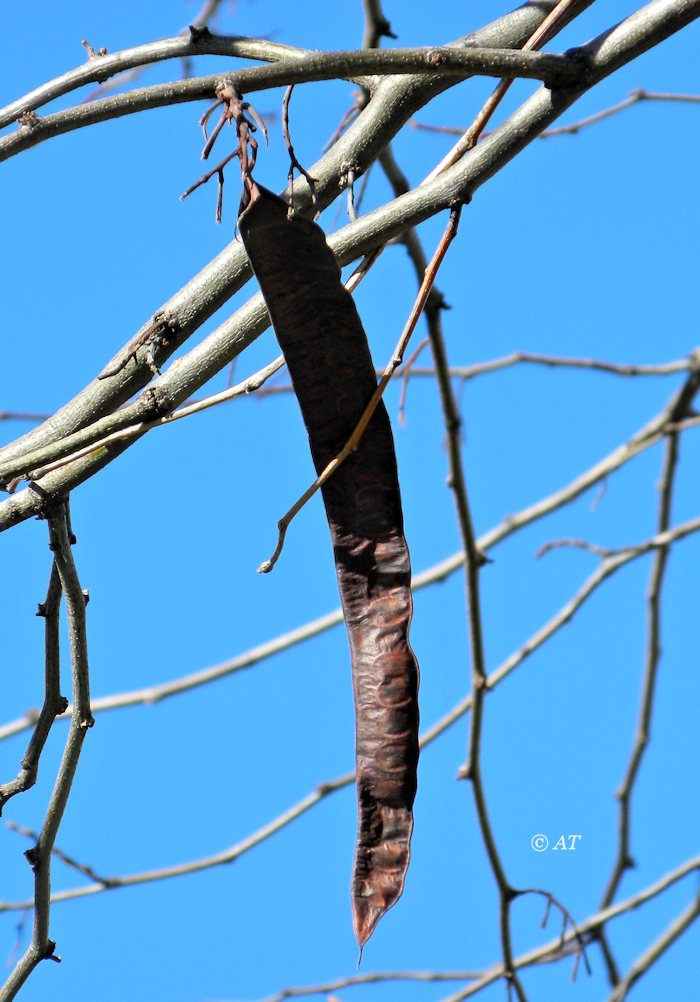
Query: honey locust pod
326, 350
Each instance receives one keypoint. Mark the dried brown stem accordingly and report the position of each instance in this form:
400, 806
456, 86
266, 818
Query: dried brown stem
549, 26
354, 440
294, 163
405, 373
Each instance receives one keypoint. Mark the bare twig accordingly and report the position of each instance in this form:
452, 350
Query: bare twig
605, 570
467, 372
656, 950
54, 703
197, 30
73, 864
405, 373
376, 24
606, 54
577, 544
381, 977
473, 560
22, 416
294, 163
623, 860
557, 361
442, 62
549, 26
635, 97
41, 947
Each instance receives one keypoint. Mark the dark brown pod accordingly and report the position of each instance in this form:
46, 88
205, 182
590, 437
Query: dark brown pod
325, 346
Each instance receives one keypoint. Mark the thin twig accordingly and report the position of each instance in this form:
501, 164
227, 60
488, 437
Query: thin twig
245, 388
96, 438
623, 859
41, 946
293, 161
468, 372
588, 929
637, 95
578, 544
656, 950
647, 436
473, 560
549, 26
405, 373
380, 977
22, 416
196, 31
73, 864
606, 569
54, 703
446, 63
189, 308
559, 361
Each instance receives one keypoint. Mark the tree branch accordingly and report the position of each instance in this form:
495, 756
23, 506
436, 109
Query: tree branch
54, 703
624, 860
394, 101
656, 950
41, 947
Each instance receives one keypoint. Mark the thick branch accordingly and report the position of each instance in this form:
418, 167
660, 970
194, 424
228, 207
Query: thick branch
100, 68
394, 101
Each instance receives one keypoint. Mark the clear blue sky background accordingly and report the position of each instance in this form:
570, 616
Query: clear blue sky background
584, 246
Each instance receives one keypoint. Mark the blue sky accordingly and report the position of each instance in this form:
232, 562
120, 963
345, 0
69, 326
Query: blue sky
585, 246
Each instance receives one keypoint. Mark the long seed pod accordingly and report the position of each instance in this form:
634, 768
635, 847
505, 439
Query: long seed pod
325, 346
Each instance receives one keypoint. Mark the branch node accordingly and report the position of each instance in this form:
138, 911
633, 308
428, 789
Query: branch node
197, 33
384, 29
50, 952
29, 120
32, 857
92, 53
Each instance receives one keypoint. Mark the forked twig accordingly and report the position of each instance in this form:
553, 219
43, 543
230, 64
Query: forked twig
73, 864
405, 377
54, 703
293, 161
635, 97
41, 946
